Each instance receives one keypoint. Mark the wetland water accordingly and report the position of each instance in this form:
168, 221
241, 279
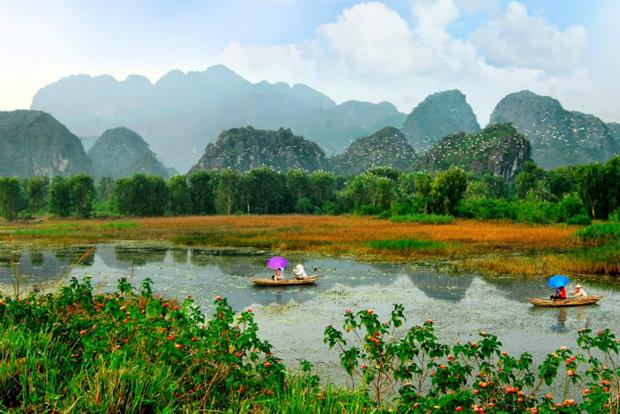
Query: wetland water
293, 318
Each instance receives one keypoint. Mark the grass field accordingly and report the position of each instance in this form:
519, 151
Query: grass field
494, 246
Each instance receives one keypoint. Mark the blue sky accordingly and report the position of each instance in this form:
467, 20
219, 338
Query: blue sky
395, 50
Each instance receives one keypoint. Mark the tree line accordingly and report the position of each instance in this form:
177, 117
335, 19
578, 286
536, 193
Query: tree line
569, 194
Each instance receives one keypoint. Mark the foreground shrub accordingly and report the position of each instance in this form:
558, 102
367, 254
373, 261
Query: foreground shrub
432, 377
127, 352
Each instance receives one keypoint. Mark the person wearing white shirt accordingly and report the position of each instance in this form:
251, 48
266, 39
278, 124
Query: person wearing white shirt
579, 292
299, 272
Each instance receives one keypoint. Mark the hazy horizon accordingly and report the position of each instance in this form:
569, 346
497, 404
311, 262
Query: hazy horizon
398, 51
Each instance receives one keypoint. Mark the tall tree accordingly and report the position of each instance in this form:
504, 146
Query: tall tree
180, 196
37, 189
447, 190
60, 197
10, 197
82, 194
225, 190
201, 188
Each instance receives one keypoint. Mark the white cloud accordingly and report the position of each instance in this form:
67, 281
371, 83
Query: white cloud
372, 53
517, 39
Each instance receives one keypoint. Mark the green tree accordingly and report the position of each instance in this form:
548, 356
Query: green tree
60, 197
322, 187
180, 196
298, 186
447, 190
105, 189
202, 196
10, 197
157, 196
82, 194
592, 188
266, 188
529, 178
227, 185
37, 189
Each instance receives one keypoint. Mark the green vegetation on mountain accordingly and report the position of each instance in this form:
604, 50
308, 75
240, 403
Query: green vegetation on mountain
439, 115
498, 150
558, 137
387, 147
121, 152
34, 143
245, 148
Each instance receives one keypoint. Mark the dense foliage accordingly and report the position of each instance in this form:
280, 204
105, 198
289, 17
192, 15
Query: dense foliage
132, 352
574, 195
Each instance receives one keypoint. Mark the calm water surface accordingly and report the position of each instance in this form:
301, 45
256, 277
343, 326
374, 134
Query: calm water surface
293, 318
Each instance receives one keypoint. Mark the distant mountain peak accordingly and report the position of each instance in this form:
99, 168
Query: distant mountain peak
558, 137
121, 152
439, 115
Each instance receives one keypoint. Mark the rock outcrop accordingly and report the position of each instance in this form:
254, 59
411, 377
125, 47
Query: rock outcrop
498, 150
121, 152
387, 147
558, 137
246, 148
439, 115
34, 143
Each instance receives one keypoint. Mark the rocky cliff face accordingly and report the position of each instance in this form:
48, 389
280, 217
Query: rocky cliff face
34, 143
614, 129
558, 137
121, 152
387, 147
246, 148
498, 150
439, 115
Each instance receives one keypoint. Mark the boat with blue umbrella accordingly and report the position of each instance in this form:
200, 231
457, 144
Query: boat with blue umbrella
559, 282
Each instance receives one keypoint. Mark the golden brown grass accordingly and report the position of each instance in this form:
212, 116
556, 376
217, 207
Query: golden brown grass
501, 247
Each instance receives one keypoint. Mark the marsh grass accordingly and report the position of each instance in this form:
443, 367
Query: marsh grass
422, 219
407, 244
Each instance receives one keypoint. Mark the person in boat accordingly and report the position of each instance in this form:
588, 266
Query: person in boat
299, 272
560, 293
277, 275
579, 292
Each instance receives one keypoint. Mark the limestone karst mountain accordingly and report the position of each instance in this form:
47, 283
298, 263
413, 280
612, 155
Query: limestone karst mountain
497, 149
182, 112
387, 147
558, 137
439, 115
34, 143
246, 148
121, 152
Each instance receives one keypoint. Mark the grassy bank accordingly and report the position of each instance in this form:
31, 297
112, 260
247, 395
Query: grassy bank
494, 246
133, 352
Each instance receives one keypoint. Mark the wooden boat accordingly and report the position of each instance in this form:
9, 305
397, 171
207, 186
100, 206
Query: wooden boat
310, 280
557, 303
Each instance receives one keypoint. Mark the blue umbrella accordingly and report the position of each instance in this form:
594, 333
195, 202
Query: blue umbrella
557, 281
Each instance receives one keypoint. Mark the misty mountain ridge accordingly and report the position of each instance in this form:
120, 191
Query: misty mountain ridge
182, 112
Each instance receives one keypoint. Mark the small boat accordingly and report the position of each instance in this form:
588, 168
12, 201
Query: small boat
310, 280
557, 303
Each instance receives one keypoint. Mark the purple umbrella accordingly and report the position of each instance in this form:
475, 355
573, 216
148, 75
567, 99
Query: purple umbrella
277, 262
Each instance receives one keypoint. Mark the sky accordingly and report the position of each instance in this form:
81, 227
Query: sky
393, 50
